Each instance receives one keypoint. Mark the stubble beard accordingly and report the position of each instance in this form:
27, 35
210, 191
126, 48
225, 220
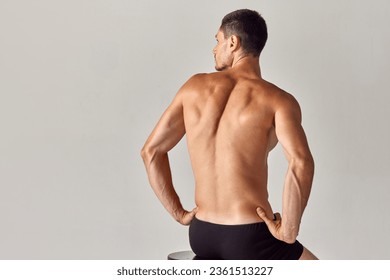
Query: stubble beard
222, 64
220, 67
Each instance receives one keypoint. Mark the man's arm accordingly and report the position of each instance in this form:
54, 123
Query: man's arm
167, 133
300, 171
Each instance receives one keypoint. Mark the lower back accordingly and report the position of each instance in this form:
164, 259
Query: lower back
231, 202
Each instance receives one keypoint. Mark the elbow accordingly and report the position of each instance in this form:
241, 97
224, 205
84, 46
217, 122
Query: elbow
305, 163
143, 152
148, 154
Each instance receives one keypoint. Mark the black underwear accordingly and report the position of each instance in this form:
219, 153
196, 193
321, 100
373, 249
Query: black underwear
239, 242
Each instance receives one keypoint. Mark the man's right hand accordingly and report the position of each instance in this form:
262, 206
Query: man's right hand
187, 217
275, 226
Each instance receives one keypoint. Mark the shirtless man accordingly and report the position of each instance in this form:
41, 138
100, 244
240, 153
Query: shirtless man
232, 119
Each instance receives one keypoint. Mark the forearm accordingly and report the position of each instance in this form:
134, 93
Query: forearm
296, 195
160, 178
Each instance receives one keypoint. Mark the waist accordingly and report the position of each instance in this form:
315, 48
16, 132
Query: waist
232, 216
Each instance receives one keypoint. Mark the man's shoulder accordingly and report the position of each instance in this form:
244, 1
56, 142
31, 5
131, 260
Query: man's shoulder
202, 81
207, 77
279, 94
277, 98
284, 101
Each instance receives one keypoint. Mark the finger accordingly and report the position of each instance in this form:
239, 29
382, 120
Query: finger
264, 217
186, 219
188, 216
271, 224
192, 213
194, 210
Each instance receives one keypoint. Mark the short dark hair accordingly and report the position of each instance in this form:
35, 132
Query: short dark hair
249, 26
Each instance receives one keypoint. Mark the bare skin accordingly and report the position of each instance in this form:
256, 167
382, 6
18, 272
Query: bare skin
232, 119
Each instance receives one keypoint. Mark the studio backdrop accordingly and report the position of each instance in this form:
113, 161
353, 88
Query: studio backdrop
82, 84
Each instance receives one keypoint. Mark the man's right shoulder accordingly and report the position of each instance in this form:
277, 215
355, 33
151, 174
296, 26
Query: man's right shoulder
201, 78
212, 78
201, 81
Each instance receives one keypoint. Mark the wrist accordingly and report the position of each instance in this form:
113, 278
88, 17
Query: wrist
178, 214
290, 235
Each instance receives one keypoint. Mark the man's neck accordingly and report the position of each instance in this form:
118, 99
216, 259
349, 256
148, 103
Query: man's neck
248, 64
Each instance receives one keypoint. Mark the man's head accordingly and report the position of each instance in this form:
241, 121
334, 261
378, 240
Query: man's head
241, 30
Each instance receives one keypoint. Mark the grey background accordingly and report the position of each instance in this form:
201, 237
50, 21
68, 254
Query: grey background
82, 84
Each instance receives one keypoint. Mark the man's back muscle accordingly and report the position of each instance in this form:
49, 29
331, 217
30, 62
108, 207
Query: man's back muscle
229, 126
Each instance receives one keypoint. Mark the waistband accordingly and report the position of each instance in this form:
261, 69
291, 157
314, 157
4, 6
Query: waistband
237, 226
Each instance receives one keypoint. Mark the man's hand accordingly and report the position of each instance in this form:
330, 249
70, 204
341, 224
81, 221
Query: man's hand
275, 226
187, 217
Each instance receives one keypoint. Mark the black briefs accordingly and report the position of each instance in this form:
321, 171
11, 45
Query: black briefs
239, 242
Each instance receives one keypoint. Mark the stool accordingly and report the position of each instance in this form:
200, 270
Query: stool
182, 255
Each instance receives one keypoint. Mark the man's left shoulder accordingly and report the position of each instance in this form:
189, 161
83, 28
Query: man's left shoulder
276, 92
281, 98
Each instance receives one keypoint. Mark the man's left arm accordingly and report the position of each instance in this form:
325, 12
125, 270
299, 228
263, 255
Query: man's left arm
168, 132
299, 177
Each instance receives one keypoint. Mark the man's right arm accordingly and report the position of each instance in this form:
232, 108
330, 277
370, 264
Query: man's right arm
167, 133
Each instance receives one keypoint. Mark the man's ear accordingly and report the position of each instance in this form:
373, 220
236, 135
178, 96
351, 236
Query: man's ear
234, 43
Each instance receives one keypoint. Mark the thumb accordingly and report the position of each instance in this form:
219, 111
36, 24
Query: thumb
260, 211
193, 211
187, 218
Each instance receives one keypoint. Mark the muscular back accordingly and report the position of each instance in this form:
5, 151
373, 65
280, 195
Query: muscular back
229, 123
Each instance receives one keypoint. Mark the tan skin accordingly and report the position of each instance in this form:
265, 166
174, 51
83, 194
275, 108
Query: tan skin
232, 119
